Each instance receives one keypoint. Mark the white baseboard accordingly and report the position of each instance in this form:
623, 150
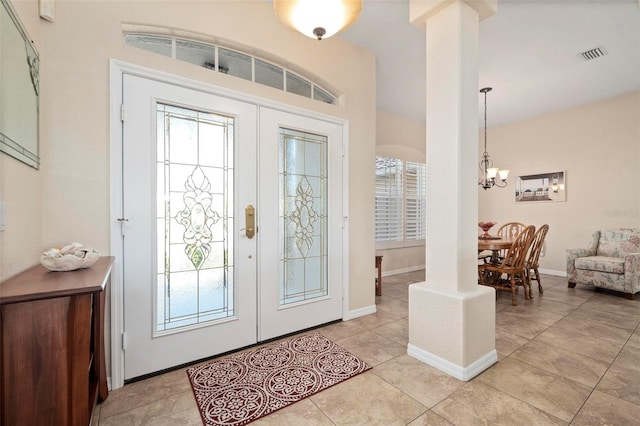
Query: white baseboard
402, 270
367, 310
552, 272
461, 373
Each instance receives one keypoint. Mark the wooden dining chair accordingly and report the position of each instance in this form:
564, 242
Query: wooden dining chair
484, 256
509, 230
513, 266
531, 264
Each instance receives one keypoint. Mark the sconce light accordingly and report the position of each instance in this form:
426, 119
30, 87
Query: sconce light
318, 18
554, 185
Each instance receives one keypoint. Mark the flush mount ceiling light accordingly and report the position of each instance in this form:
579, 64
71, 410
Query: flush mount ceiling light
318, 18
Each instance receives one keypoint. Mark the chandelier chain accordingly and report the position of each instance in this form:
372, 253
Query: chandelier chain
485, 122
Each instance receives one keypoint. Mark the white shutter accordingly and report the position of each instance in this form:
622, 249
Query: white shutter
416, 201
389, 199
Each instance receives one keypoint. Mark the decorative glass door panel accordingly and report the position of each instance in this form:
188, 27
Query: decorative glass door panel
195, 225
300, 190
303, 238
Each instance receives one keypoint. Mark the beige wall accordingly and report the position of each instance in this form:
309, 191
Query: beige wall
405, 139
598, 145
20, 188
68, 199
602, 137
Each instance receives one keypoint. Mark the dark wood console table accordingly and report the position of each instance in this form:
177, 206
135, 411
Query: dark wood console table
52, 365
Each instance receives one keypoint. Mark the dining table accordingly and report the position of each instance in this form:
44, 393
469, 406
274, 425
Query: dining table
494, 244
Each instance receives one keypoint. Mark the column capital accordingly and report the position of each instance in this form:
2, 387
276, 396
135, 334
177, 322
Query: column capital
421, 10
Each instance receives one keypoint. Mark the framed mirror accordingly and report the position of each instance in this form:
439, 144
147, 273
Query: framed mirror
19, 105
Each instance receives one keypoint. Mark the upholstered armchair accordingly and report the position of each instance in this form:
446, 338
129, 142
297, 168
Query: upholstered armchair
612, 261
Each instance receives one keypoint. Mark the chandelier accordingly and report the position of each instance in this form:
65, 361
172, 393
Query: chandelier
489, 173
318, 18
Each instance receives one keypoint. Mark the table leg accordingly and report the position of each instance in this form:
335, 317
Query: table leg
379, 280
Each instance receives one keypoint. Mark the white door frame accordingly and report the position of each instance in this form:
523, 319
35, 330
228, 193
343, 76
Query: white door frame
117, 69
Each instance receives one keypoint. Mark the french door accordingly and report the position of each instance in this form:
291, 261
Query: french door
231, 224
300, 240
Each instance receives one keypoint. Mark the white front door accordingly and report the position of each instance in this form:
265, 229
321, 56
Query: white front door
196, 283
300, 222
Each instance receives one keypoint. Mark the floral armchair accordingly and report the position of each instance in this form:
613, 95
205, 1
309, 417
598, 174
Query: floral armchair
611, 261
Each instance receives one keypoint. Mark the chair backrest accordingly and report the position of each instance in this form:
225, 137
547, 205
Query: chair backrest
536, 246
511, 229
517, 253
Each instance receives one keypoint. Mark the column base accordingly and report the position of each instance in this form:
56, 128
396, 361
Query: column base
453, 331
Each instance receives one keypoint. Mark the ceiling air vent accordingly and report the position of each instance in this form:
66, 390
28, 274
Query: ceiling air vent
594, 53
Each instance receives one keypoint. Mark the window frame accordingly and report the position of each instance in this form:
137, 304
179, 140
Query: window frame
412, 195
295, 79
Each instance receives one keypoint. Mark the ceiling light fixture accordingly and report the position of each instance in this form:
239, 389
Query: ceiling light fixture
318, 18
489, 173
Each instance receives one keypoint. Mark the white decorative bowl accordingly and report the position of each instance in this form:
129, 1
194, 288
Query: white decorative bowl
71, 257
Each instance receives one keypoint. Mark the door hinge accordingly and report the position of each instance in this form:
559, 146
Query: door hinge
122, 221
124, 342
122, 112
345, 219
343, 151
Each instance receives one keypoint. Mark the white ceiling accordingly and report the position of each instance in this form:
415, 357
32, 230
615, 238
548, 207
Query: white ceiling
529, 54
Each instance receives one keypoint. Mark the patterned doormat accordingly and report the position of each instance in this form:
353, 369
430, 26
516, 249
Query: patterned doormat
240, 388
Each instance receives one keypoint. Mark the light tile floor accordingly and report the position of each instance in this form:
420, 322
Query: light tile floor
570, 356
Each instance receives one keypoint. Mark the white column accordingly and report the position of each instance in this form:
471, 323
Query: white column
451, 317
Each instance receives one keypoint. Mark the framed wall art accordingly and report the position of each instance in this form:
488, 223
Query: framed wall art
541, 187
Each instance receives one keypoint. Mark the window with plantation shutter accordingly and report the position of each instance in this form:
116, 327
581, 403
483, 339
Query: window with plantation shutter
400, 202
389, 199
415, 201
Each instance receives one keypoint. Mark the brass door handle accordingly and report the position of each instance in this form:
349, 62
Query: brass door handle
249, 221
